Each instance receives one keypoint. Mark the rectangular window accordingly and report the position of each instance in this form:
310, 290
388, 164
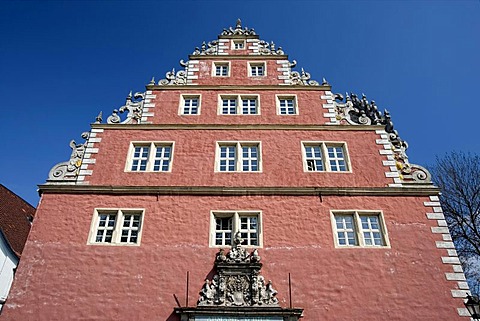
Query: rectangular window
249, 106
221, 69
226, 224
229, 105
256, 69
238, 157
325, 157
287, 105
150, 157
116, 226
238, 44
190, 105
238, 105
359, 228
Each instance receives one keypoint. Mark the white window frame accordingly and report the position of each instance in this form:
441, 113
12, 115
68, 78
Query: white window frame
238, 155
235, 215
238, 103
118, 227
278, 98
358, 230
151, 156
237, 41
220, 63
183, 98
252, 64
325, 156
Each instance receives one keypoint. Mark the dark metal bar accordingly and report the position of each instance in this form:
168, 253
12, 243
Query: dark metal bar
290, 289
186, 297
176, 300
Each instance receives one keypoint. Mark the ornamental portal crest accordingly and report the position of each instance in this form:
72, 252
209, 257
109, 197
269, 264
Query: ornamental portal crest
238, 281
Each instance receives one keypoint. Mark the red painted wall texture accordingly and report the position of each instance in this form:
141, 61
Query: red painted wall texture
167, 104
194, 159
239, 72
61, 277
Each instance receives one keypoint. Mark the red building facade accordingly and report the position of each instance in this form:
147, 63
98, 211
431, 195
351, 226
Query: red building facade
233, 162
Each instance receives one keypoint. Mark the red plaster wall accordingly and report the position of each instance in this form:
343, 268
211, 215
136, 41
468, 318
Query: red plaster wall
238, 72
194, 159
62, 278
167, 104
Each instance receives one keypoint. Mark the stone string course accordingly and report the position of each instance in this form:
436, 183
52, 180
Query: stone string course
460, 287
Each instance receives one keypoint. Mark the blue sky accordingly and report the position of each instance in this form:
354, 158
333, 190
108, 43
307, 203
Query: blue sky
63, 62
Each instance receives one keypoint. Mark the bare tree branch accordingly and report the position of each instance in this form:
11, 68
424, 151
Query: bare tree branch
457, 174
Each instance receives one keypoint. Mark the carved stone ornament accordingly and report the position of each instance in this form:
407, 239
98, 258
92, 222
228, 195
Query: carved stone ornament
134, 107
210, 48
356, 111
302, 79
238, 281
172, 78
265, 48
68, 171
238, 31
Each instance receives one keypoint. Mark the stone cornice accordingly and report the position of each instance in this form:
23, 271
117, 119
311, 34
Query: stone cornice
236, 87
423, 190
239, 126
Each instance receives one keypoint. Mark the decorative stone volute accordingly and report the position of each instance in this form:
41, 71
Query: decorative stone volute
67, 172
134, 107
355, 111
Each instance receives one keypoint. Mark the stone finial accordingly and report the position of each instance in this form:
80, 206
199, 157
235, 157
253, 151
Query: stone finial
239, 24
98, 119
152, 82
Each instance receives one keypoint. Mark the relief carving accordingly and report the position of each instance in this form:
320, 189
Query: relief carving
238, 281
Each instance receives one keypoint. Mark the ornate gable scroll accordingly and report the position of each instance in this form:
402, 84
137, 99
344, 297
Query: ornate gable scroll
67, 172
238, 290
355, 111
134, 107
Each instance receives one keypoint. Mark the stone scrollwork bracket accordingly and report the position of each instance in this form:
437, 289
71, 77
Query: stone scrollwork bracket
68, 171
134, 107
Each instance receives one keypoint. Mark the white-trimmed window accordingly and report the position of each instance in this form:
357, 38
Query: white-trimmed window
190, 105
325, 157
238, 105
359, 228
238, 157
116, 226
256, 69
225, 224
221, 69
287, 105
150, 157
238, 44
